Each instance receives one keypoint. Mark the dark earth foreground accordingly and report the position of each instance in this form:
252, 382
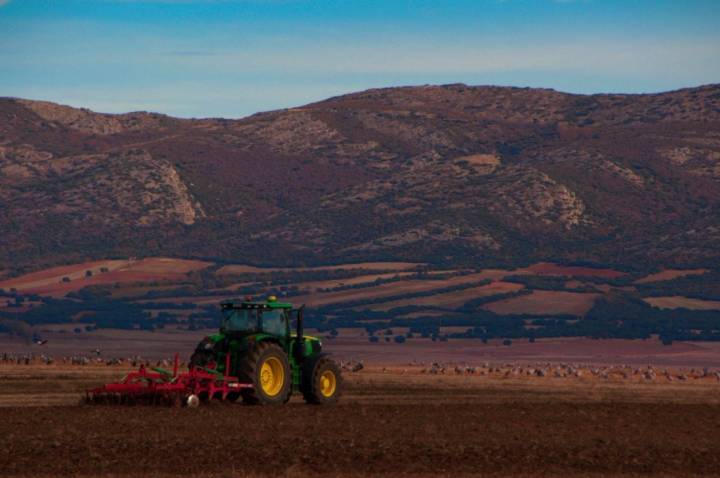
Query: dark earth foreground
379, 428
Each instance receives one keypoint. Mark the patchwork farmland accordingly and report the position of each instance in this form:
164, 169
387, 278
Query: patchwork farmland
533, 301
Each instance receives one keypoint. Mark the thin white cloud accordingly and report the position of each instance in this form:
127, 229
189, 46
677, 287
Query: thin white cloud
187, 2
4, 2
190, 53
593, 56
551, 1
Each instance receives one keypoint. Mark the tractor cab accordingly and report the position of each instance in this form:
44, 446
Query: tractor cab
248, 317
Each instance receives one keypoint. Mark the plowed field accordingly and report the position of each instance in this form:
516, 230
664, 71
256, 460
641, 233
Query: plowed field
385, 425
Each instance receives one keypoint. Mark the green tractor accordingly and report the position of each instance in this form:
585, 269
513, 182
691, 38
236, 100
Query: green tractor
265, 353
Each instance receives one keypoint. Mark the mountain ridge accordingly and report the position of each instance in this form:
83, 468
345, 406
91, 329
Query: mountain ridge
440, 174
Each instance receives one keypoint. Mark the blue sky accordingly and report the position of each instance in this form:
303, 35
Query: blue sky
232, 58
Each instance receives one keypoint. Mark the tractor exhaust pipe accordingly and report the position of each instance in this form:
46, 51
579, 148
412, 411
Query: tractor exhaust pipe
300, 335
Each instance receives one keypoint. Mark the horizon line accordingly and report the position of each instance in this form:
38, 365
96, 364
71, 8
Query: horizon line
416, 86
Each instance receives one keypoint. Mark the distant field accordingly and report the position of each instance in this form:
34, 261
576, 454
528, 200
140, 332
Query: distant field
48, 278
377, 286
362, 279
545, 302
453, 299
50, 281
670, 274
387, 290
546, 268
134, 277
245, 269
677, 302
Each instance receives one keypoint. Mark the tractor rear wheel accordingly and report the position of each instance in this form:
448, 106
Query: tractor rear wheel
322, 381
267, 367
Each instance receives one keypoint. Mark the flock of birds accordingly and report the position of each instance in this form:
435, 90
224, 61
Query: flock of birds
573, 370
508, 370
94, 357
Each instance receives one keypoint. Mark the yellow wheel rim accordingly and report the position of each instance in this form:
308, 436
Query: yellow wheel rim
328, 383
272, 376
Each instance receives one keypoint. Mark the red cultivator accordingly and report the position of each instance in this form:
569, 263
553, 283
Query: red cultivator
162, 387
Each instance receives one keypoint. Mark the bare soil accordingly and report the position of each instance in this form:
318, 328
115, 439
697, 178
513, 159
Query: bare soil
386, 424
549, 301
547, 268
50, 281
242, 269
452, 299
670, 274
387, 290
677, 301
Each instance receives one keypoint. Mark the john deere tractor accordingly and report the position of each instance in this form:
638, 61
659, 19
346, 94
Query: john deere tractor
265, 353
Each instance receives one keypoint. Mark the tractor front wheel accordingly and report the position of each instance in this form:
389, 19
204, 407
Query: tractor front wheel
322, 381
268, 369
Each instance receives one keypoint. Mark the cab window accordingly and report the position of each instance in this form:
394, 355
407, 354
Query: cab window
273, 321
241, 320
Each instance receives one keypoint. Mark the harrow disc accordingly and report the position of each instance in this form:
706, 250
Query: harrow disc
192, 401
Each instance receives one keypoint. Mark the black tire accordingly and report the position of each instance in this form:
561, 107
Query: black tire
312, 387
250, 372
